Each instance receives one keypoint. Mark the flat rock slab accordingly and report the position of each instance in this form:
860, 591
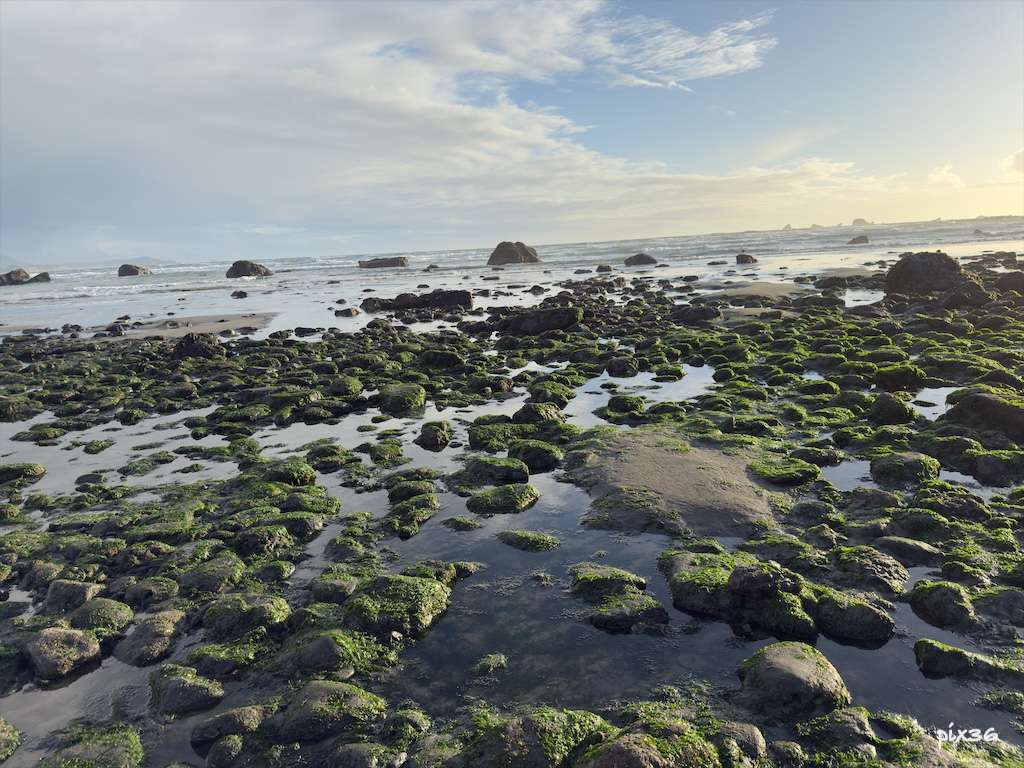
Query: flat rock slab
648, 479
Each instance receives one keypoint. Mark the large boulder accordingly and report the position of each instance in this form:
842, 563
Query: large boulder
986, 411
745, 258
326, 708
383, 262
922, 273
55, 652
245, 268
640, 259
1010, 281
791, 680
512, 253
20, 277
152, 639
534, 321
858, 240
132, 270
177, 690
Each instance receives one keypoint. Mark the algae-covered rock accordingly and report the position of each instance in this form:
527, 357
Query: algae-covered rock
325, 708
505, 499
790, 679
400, 399
55, 652
177, 690
405, 604
898, 470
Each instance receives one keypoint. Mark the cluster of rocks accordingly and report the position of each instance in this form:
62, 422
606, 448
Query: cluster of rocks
21, 277
209, 586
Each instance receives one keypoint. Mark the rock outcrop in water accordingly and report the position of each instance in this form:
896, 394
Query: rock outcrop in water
745, 258
508, 252
21, 277
640, 259
133, 270
245, 268
858, 240
383, 262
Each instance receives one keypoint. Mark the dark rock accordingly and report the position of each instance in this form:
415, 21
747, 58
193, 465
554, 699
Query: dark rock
640, 259
534, 321
986, 411
383, 262
197, 345
239, 294
21, 277
858, 240
745, 258
512, 253
131, 270
247, 269
922, 273
693, 314
1010, 281
439, 299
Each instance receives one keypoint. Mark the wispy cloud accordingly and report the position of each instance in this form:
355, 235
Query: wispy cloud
1014, 163
945, 176
644, 51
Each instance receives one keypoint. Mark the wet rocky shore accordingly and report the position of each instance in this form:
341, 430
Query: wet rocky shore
636, 523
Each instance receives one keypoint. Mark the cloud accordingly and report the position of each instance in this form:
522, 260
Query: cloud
1014, 163
638, 50
945, 176
350, 126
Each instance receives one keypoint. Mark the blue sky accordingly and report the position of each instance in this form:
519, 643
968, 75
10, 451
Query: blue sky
191, 131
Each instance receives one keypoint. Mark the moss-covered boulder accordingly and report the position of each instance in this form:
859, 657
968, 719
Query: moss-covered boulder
904, 469
503, 500
790, 679
177, 690
24, 473
543, 738
942, 603
401, 399
325, 708
54, 652
528, 541
405, 604
537, 455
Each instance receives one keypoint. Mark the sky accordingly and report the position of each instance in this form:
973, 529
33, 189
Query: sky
191, 131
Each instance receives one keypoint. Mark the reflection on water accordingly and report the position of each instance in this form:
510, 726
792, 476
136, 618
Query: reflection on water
591, 395
849, 474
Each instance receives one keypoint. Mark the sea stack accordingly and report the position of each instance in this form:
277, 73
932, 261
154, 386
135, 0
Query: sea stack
248, 269
512, 253
131, 270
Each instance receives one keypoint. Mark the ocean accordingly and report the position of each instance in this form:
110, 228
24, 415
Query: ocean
303, 287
